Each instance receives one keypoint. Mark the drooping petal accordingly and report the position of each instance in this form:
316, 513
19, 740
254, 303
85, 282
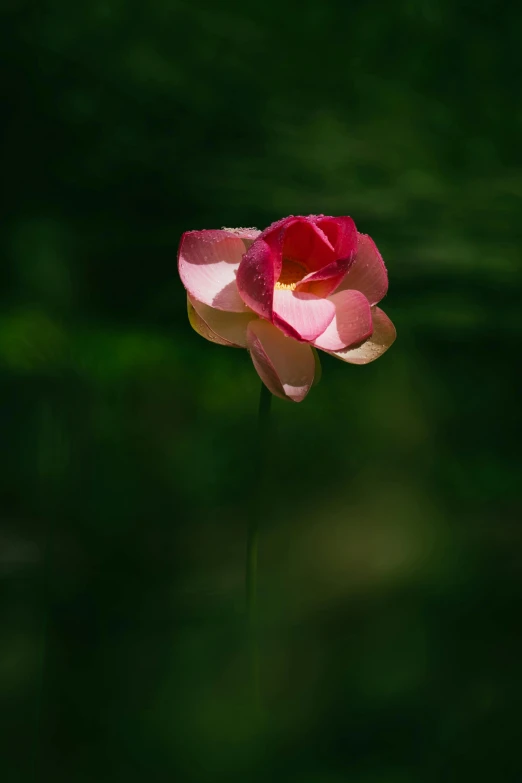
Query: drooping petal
208, 262
300, 315
318, 369
218, 325
199, 326
367, 273
285, 366
383, 336
256, 277
352, 322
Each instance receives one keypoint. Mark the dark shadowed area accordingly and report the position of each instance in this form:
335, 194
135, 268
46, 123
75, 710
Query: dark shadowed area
390, 570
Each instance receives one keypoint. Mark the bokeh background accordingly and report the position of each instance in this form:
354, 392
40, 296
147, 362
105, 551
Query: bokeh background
391, 550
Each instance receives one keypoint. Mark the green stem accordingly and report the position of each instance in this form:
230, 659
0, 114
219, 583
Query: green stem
265, 401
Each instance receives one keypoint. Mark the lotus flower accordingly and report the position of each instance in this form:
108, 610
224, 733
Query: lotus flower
303, 283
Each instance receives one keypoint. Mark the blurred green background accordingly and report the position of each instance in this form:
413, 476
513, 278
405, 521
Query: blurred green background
391, 551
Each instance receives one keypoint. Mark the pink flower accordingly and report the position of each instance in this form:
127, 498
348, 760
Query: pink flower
302, 282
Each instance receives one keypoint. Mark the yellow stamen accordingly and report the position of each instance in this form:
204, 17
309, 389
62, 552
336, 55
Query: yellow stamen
291, 274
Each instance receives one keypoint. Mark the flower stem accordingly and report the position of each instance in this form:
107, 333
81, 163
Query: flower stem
265, 401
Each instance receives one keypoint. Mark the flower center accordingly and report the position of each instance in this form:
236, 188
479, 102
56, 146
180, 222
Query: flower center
291, 274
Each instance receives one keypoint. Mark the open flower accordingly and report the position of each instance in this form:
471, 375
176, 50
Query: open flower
302, 283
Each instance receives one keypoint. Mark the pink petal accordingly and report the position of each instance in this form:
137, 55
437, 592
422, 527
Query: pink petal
256, 277
285, 366
352, 323
325, 280
367, 274
199, 326
302, 316
305, 242
277, 226
244, 233
383, 336
342, 234
218, 325
248, 235
208, 262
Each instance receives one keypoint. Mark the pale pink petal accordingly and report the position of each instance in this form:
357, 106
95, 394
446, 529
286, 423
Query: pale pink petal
367, 273
243, 233
302, 316
248, 235
285, 366
199, 326
256, 277
383, 336
352, 323
208, 262
229, 328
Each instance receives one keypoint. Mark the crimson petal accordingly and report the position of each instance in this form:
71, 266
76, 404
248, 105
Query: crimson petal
342, 234
256, 277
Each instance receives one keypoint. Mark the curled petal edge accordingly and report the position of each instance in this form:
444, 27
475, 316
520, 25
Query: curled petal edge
286, 366
383, 337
